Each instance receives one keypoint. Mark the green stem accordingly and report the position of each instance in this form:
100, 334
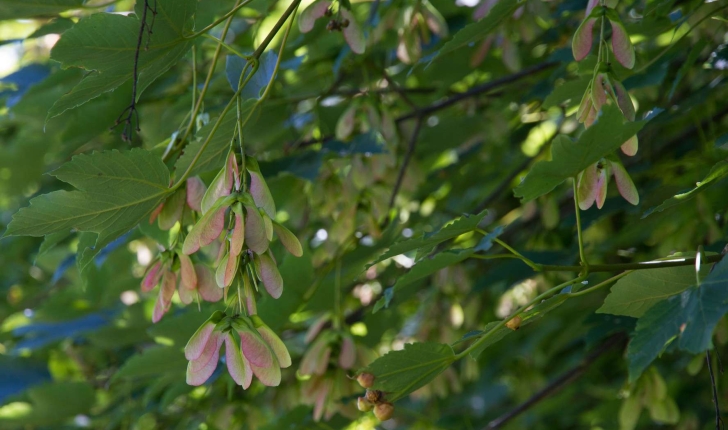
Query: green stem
219, 20
215, 126
594, 268
580, 237
294, 5
515, 253
205, 86
545, 295
225, 45
600, 285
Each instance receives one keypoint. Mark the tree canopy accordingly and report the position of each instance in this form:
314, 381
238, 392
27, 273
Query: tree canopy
428, 214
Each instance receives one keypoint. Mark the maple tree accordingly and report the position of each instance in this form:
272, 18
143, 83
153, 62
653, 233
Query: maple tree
263, 214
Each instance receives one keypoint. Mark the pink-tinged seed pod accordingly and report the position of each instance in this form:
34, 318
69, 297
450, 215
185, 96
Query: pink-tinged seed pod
254, 347
587, 187
434, 19
172, 210
316, 359
621, 45
219, 187
207, 229
311, 14
315, 328
366, 380
169, 284
200, 370
347, 355
197, 342
206, 285
195, 191
188, 276
238, 366
623, 100
601, 187
274, 342
155, 213
599, 90
255, 235
237, 238
259, 190
631, 146
383, 411
186, 296
352, 33
624, 183
270, 276
582, 42
226, 271
591, 4
288, 239
346, 122
212, 229
321, 396
591, 117
152, 277
585, 106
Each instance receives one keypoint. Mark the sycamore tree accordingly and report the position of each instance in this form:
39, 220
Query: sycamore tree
352, 215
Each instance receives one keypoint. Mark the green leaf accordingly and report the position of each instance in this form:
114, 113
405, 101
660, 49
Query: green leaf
463, 224
691, 316
57, 26
634, 294
399, 373
14, 9
526, 318
154, 361
117, 190
478, 30
717, 172
569, 158
425, 267
106, 44
53, 403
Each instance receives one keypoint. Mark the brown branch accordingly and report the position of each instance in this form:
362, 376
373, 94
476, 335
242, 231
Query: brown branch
558, 383
477, 90
718, 420
131, 112
405, 161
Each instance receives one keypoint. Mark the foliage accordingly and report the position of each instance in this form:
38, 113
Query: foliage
262, 214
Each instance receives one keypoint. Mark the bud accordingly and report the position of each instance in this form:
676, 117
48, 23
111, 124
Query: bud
347, 355
274, 342
624, 183
582, 43
206, 286
288, 239
152, 277
238, 366
514, 323
207, 229
374, 396
237, 238
621, 45
222, 185
200, 369
363, 404
172, 210
366, 380
383, 411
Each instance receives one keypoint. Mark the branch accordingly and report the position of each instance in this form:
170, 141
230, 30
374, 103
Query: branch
618, 267
558, 383
405, 161
258, 52
718, 420
479, 89
131, 113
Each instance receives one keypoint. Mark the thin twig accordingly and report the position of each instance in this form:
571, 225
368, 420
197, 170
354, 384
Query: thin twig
718, 420
405, 161
131, 112
479, 89
558, 383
